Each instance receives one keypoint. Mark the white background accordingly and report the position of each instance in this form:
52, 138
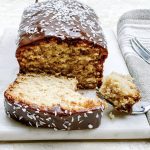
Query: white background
108, 11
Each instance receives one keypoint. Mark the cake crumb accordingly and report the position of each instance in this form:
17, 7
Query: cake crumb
111, 115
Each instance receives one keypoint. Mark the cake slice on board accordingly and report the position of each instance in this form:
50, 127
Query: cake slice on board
47, 101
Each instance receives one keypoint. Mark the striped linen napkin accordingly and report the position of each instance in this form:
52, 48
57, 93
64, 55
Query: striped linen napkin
136, 23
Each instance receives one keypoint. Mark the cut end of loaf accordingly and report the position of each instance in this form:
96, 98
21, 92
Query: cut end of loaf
75, 58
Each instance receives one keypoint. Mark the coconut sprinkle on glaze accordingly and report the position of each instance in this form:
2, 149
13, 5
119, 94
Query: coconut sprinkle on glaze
63, 19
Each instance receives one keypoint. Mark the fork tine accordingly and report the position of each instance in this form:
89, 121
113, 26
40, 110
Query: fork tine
141, 45
140, 51
141, 48
138, 45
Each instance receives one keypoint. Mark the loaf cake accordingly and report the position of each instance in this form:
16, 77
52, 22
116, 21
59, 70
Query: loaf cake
48, 101
120, 91
62, 38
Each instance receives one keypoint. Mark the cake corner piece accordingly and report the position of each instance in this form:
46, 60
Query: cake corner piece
120, 91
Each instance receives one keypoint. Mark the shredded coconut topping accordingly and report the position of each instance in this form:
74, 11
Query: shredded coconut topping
64, 19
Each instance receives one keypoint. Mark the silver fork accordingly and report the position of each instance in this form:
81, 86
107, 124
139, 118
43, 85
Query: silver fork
142, 51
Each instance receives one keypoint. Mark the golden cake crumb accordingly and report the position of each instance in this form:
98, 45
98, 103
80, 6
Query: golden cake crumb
111, 115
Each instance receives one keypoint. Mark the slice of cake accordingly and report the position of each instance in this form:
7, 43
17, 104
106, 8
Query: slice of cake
120, 91
48, 101
62, 38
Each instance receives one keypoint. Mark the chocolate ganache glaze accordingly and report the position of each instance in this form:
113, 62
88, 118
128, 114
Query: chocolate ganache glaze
63, 19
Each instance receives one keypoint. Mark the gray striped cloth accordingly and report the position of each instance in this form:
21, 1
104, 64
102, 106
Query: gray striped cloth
136, 23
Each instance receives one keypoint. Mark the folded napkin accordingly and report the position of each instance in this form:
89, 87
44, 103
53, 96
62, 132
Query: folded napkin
136, 23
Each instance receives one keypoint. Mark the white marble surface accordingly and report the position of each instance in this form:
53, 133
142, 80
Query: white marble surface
109, 12
121, 127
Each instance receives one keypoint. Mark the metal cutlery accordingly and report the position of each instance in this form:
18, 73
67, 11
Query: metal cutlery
142, 51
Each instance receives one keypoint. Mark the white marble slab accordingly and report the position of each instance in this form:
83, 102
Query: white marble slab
122, 127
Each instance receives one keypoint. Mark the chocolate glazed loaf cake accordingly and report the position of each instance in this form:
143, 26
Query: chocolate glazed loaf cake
60, 48
48, 101
62, 38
